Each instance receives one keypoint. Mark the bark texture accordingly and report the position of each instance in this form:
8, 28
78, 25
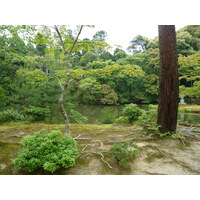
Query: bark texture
169, 82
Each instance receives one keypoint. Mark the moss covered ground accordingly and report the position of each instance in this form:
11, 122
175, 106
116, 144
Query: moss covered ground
155, 156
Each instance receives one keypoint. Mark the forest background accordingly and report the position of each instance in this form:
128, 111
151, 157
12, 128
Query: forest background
32, 64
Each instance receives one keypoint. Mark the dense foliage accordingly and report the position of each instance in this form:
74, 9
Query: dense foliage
32, 66
10, 115
36, 113
48, 151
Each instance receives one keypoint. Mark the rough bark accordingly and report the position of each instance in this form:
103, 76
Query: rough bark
169, 82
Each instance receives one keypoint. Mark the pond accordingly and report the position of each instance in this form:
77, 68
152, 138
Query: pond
94, 113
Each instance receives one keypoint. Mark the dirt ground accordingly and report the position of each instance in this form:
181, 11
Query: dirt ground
157, 156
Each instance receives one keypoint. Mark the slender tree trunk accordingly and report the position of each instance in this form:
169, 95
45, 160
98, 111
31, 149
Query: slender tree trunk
169, 82
62, 109
68, 75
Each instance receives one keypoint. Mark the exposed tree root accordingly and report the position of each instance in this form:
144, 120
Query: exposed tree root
190, 136
77, 137
153, 173
189, 131
9, 136
134, 139
132, 132
85, 147
90, 139
10, 142
101, 131
99, 154
189, 125
167, 155
182, 141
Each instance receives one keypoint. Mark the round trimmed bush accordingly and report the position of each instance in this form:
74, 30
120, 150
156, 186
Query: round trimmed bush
48, 151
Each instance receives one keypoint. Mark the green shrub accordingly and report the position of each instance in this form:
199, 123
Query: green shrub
124, 152
76, 117
48, 151
107, 116
151, 106
36, 114
148, 121
10, 115
122, 120
132, 112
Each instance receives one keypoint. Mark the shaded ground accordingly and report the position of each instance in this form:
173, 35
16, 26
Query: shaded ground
159, 156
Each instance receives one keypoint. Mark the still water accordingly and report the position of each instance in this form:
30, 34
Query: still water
94, 113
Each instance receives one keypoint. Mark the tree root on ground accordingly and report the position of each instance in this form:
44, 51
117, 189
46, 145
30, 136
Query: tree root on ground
153, 173
99, 154
92, 140
10, 142
189, 125
133, 131
167, 155
134, 139
101, 131
190, 136
9, 136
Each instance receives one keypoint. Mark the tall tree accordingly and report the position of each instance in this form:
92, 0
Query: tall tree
138, 44
100, 36
169, 82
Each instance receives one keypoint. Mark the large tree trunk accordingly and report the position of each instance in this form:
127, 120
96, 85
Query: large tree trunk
169, 82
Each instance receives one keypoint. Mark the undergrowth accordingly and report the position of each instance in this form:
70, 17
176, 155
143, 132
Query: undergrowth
124, 152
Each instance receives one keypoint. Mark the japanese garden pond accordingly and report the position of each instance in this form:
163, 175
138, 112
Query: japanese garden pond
94, 113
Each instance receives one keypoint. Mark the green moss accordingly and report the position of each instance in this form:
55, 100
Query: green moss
103, 132
7, 152
180, 146
152, 156
82, 162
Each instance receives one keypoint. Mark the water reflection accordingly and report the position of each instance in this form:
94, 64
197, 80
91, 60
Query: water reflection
94, 113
